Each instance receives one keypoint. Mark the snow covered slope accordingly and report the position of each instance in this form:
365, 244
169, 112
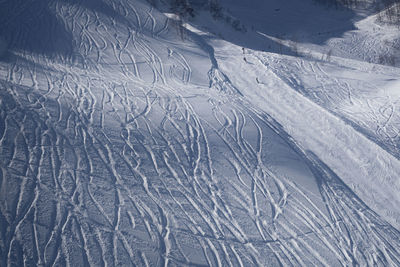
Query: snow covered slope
264, 134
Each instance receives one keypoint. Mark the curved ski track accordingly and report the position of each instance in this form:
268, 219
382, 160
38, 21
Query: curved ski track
134, 167
366, 106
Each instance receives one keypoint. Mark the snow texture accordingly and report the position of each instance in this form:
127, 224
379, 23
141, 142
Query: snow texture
132, 136
3, 47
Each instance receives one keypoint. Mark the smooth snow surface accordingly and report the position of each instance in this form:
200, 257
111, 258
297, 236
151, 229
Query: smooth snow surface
266, 137
3, 47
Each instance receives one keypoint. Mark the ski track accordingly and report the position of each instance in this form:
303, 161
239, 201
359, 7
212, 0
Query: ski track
102, 168
348, 98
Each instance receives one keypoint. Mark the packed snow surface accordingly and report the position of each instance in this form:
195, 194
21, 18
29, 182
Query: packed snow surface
266, 134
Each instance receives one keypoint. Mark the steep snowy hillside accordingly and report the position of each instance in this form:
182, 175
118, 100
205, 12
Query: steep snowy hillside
198, 133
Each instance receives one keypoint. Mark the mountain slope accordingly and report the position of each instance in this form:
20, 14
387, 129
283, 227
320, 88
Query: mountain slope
129, 136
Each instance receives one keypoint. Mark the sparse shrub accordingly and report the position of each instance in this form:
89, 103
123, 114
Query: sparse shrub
182, 8
236, 25
177, 23
387, 59
215, 10
389, 12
